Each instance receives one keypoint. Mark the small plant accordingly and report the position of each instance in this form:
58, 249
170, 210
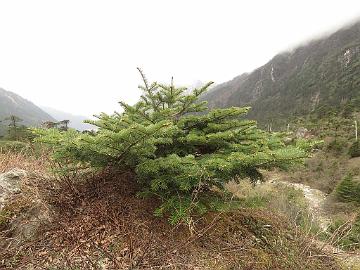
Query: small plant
337, 145
4, 217
354, 150
177, 154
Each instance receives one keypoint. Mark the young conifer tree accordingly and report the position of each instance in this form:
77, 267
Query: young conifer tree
178, 149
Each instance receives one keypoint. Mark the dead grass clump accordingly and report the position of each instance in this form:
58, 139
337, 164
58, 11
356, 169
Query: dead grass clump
103, 225
31, 163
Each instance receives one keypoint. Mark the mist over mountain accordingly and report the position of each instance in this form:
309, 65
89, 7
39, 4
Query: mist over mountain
322, 76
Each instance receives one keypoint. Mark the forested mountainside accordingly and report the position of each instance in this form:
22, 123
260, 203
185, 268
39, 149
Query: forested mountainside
13, 104
321, 77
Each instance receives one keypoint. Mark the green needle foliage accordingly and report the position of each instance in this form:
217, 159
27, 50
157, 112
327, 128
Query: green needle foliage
348, 190
180, 152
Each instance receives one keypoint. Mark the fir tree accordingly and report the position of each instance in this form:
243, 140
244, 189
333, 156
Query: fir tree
177, 149
348, 190
64, 124
13, 127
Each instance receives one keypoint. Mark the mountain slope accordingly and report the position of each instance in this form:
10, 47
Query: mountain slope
76, 121
13, 104
319, 77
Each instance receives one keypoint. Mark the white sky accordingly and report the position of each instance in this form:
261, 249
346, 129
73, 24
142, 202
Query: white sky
81, 56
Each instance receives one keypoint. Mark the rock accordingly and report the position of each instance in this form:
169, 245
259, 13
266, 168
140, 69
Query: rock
19, 197
302, 133
288, 140
10, 184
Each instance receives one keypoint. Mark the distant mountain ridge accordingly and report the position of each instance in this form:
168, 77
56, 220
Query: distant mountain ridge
321, 76
76, 121
13, 104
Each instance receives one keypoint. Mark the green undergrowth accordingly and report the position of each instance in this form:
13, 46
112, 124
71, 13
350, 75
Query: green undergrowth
13, 146
30, 149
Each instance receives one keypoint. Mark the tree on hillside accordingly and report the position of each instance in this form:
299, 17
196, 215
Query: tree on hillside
13, 127
177, 154
64, 124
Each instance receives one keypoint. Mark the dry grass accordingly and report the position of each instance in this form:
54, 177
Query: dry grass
99, 223
104, 226
38, 163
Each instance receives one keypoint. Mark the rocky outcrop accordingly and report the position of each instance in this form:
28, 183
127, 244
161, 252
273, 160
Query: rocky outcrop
303, 132
10, 185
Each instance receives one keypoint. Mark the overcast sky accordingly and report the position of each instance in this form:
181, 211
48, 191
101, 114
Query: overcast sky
81, 56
